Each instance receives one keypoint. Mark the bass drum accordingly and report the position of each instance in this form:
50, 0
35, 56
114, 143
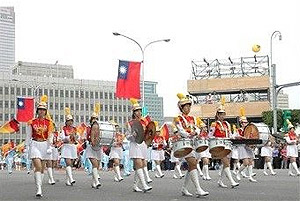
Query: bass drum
102, 134
263, 132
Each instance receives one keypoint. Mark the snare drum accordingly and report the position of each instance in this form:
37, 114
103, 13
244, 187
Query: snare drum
182, 147
227, 150
216, 146
102, 134
200, 144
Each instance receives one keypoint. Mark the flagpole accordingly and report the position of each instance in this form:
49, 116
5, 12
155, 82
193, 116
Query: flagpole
143, 60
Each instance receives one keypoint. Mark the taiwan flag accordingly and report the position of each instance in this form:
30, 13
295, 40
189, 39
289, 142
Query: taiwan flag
25, 109
128, 84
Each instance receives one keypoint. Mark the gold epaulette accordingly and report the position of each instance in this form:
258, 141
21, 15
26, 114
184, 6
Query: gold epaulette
30, 121
176, 119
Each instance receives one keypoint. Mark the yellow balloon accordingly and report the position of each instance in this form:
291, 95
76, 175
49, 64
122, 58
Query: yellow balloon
256, 48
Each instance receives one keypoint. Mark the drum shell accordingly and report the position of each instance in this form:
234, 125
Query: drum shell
182, 147
200, 144
106, 135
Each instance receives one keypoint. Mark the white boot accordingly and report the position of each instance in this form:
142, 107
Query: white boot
69, 175
199, 170
234, 171
220, 182
148, 179
291, 171
135, 183
206, 173
186, 182
51, 180
38, 183
238, 174
96, 184
250, 170
160, 174
271, 168
229, 176
140, 174
294, 164
195, 180
177, 167
118, 173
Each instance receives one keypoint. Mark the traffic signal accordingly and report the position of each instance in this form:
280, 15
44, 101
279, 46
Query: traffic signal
287, 114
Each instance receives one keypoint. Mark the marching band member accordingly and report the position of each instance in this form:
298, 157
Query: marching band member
158, 153
266, 152
69, 150
38, 141
116, 153
221, 129
245, 152
52, 162
187, 128
292, 150
204, 155
93, 155
235, 151
137, 152
173, 159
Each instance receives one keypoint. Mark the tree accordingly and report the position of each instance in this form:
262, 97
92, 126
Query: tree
267, 117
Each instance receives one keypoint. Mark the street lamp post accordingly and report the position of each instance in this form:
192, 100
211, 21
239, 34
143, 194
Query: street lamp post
273, 78
143, 58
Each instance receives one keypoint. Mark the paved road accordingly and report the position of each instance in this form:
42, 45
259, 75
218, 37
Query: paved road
20, 186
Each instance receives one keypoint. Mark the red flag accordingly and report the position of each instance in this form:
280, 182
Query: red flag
165, 132
10, 127
128, 83
25, 108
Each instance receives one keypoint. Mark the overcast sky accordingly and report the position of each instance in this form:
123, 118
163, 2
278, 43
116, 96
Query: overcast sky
79, 33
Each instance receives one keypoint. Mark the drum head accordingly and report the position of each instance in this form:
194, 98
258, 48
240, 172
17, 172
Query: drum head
251, 132
150, 133
216, 150
139, 130
95, 135
201, 149
180, 153
221, 154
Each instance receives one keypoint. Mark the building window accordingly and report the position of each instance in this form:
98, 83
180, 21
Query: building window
61, 93
6, 104
105, 95
110, 96
12, 91
86, 94
51, 105
124, 119
56, 93
129, 108
45, 92
120, 108
72, 106
6, 117
51, 92
56, 106
23, 129
6, 89
106, 109
81, 106
86, 119
115, 108
76, 106
72, 94
67, 93
76, 94
106, 118
101, 118
81, 119
101, 95
12, 104
40, 92
61, 106
92, 107
23, 91
1, 104
56, 117
124, 108
61, 118
110, 108
77, 118
86, 106
81, 94
96, 94
1, 90
1, 117
92, 94
120, 120
67, 105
